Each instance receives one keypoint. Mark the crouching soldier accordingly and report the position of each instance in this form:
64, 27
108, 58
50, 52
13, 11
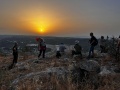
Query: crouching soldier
77, 48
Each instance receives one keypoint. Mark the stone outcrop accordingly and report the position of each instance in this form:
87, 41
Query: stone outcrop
59, 72
85, 70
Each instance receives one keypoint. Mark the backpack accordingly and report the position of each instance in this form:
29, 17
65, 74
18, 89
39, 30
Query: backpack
95, 43
42, 45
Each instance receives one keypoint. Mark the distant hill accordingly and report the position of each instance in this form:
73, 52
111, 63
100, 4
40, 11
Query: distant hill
4, 36
8, 40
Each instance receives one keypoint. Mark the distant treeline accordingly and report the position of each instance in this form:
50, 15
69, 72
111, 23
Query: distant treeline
23, 40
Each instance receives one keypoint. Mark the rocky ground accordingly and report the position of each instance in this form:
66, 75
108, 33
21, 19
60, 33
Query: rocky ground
66, 73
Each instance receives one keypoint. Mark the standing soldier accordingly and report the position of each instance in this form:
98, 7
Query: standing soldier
102, 44
41, 48
93, 43
15, 53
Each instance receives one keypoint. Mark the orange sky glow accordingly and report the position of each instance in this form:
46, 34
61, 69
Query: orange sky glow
59, 17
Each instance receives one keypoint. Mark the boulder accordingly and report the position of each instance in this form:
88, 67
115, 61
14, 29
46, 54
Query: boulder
22, 66
84, 71
60, 73
104, 71
90, 65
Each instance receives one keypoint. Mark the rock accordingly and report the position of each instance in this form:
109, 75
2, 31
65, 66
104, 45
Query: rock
78, 74
22, 66
36, 61
104, 71
59, 72
102, 55
111, 69
90, 65
66, 59
86, 70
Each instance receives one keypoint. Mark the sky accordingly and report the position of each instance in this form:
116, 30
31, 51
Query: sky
70, 18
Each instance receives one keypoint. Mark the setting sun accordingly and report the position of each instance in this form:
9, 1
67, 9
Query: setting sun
40, 25
41, 30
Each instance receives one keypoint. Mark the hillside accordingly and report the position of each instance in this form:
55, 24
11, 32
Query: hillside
66, 73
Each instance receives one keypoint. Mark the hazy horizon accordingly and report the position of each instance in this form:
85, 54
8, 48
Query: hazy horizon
73, 18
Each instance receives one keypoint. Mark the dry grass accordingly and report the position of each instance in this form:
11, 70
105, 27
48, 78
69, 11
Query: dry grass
110, 82
105, 83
